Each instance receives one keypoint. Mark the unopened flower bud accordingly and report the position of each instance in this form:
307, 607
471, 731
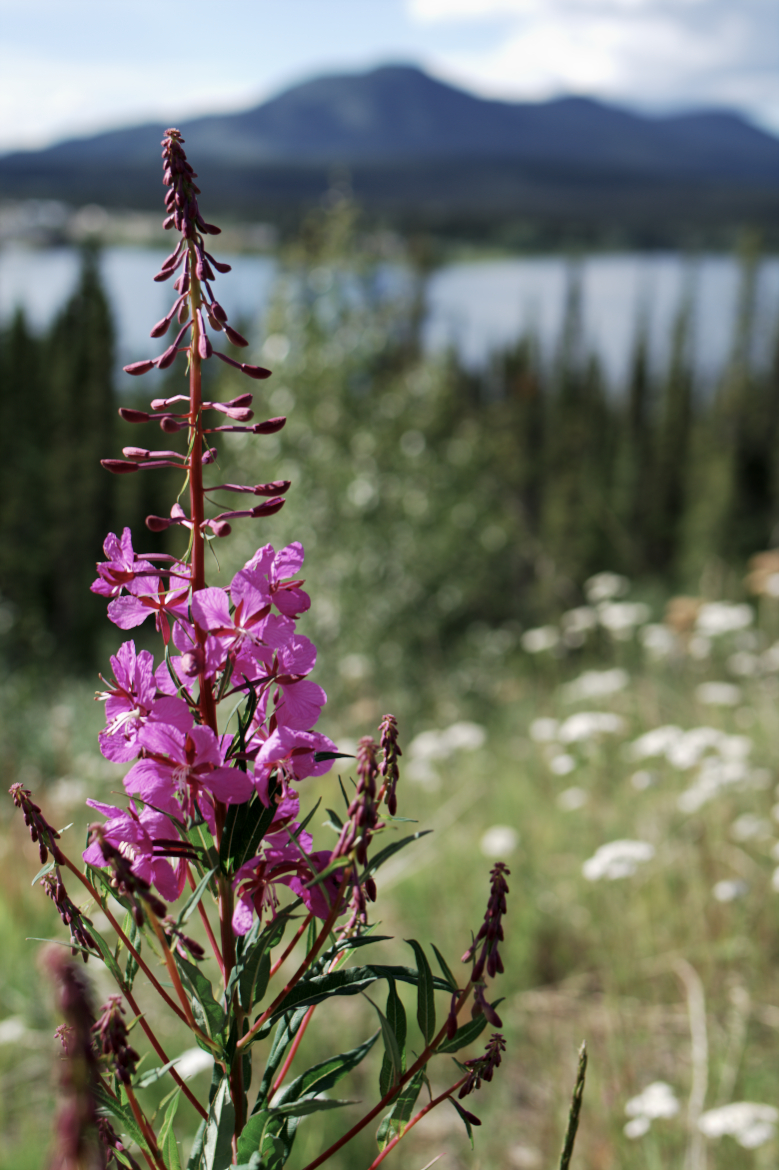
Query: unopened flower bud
218, 312
269, 507
170, 425
269, 427
234, 336
158, 523
139, 367
133, 416
118, 466
219, 527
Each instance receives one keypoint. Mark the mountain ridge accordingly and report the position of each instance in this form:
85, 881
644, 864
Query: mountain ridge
400, 131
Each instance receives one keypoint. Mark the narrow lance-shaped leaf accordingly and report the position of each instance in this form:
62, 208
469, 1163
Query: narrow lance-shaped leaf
445, 969
425, 993
394, 1122
192, 901
396, 1018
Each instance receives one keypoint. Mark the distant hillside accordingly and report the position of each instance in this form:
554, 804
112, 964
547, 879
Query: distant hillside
417, 148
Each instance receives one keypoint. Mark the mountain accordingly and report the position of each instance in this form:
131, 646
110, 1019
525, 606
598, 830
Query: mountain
416, 146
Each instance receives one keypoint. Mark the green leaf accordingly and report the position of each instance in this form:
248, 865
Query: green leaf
394, 1122
307, 1105
447, 974
425, 993
135, 936
167, 1138
396, 1019
209, 1015
191, 903
388, 851
261, 1135
47, 868
245, 826
463, 1036
196, 1153
286, 1031
335, 821
466, 1119
321, 1077
110, 1106
351, 981
253, 982
107, 956
152, 1076
218, 1136
392, 1059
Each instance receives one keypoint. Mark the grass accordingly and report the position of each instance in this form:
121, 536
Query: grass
633, 965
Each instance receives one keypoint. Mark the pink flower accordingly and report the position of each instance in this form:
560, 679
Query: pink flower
292, 752
294, 865
132, 702
185, 771
287, 595
240, 633
137, 835
122, 570
127, 612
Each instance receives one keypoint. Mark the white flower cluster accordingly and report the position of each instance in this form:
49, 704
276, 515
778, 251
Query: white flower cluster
619, 619
751, 1124
431, 746
581, 728
721, 759
617, 859
657, 1100
595, 684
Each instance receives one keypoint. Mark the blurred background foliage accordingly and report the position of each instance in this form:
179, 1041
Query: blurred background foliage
436, 504
443, 512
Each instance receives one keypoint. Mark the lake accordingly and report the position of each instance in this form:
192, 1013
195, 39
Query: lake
477, 307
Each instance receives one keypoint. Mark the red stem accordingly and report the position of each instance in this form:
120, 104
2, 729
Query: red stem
147, 972
286, 954
312, 954
206, 923
161, 1053
390, 1096
417, 1117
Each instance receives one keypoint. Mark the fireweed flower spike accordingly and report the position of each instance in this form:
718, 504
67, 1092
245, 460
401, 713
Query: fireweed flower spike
213, 804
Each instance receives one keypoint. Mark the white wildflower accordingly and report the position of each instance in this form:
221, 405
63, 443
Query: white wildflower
544, 730
715, 775
637, 1127
730, 889
617, 859
572, 799
699, 648
723, 617
749, 1123
620, 618
464, 737
718, 694
658, 641
604, 586
749, 827
589, 724
540, 639
562, 764
657, 1100
12, 1030
499, 841
655, 742
642, 780
595, 684
579, 620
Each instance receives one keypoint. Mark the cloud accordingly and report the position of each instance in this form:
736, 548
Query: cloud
659, 53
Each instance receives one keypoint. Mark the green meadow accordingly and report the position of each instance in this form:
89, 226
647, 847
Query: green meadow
544, 580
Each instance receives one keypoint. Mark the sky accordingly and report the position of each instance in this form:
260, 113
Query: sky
72, 67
